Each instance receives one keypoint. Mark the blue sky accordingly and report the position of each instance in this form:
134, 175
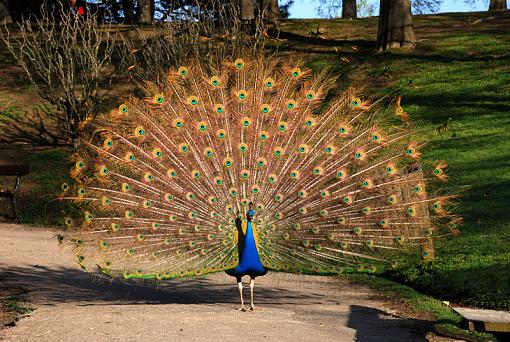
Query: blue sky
307, 9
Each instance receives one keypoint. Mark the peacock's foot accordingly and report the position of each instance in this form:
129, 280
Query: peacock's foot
252, 308
242, 308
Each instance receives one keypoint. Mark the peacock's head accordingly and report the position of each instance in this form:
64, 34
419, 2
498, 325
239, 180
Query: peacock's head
250, 213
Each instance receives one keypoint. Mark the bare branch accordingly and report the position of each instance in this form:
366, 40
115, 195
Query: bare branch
67, 60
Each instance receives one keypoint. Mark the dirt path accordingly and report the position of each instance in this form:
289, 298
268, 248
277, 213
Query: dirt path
71, 306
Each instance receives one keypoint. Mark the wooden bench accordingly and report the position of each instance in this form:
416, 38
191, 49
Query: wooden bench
13, 162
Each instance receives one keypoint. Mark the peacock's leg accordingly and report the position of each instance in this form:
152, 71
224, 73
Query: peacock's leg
240, 285
252, 285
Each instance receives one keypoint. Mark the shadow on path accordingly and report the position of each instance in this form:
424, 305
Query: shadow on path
373, 325
53, 285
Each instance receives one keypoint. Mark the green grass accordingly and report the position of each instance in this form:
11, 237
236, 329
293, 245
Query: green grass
12, 304
37, 198
446, 321
15, 305
463, 73
475, 92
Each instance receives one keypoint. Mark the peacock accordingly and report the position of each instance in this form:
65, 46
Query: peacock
251, 165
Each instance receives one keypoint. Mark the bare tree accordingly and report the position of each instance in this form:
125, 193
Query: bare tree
270, 11
4, 11
209, 30
247, 12
395, 25
349, 9
128, 10
145, 11
497, 5
68, 61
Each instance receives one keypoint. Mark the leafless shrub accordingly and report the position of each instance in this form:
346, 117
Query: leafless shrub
210, 30
68, 61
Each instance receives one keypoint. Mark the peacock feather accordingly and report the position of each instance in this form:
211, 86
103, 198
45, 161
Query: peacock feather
161, 181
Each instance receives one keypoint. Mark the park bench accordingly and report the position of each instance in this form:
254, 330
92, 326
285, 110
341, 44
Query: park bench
13, 162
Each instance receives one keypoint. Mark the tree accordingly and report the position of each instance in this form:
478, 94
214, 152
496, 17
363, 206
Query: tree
395, 25
128, 10
349, 9
285, 7
497, 5
4, 11
69, 64
145, 11
247, 13
270, 10
247, 10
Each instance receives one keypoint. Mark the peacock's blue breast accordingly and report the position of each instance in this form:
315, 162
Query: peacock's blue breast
249, 261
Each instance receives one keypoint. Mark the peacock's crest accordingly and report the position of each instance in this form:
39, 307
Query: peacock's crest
161, 180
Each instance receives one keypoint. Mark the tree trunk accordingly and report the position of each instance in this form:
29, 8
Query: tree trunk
497, 5
395, 25
247, 16
5, 15
145, 11
247, 10
349, 9
271, 10
128, 9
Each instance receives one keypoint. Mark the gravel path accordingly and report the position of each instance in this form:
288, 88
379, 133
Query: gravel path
70, 305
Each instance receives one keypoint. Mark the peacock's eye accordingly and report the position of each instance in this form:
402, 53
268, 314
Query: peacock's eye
215, 81
246, 122
183, 71
218, 108
243, 147
158, 98
202, 126
184, 148
239, 63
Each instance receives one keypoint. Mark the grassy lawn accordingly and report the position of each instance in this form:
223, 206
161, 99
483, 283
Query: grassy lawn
460, 70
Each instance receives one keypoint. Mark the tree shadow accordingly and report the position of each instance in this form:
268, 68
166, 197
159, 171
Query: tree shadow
372, 325
54, 285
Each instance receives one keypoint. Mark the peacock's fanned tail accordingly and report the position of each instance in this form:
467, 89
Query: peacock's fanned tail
160, 181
